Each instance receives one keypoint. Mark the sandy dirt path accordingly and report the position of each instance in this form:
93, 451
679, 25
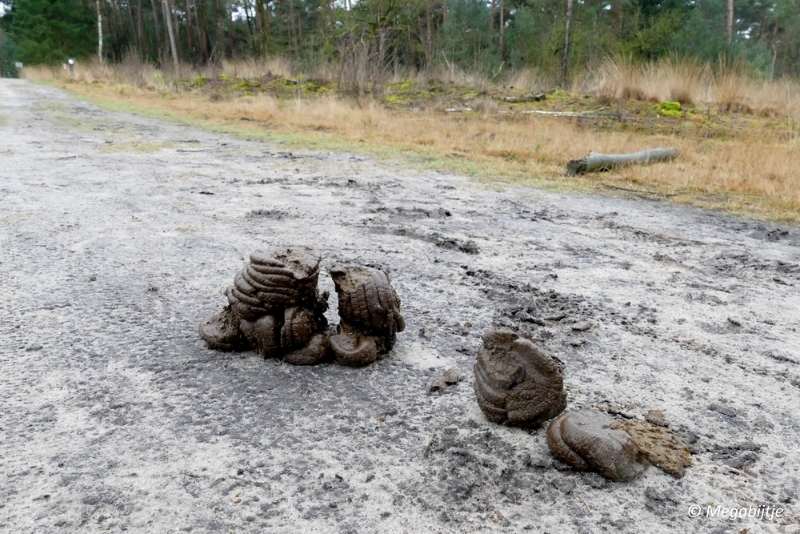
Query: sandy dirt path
119, 233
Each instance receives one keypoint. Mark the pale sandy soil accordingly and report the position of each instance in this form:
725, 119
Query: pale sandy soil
118, 234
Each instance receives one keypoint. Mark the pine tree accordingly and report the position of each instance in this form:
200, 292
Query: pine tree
7, 57
50, 31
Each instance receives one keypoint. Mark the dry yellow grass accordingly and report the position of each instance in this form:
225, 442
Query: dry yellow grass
754, 172
689, 81
685, 81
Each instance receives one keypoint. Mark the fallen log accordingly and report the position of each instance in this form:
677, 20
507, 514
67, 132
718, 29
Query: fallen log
594, 162
524, 98
581, 114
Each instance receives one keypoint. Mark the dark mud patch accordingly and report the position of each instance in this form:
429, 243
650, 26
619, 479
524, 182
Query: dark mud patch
411, 213
642, 234
523, 307
743, 264
274, 214
467, 246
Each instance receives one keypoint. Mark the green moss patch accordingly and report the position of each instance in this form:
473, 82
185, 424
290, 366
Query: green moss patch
669, 109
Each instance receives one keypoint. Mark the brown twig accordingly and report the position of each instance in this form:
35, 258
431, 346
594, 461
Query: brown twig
630, 190
427, 450
639, 191
584, 503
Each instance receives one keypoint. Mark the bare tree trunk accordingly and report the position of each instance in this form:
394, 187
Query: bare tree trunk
249, 19
140, 29
299, 29
198, 33
616, 20
395, 61
187, 6
132, 24
293, 30
410, 58
177, 25
772, 43
99, 33
283, 31
202, 33
170, 32
266, 24
502, 28
428, 35
159, 48
117, 10
108, 21
219, 34
565, 59
261, 39
730, 22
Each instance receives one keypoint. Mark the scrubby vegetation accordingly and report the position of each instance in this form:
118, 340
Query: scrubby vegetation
739, 135
368, 41
503, 89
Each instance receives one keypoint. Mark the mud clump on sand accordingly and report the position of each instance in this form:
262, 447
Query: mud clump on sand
588, 441
275, 308
517, 383
370, 315
448, 378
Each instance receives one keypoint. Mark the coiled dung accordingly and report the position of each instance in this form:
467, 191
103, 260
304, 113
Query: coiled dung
517, 383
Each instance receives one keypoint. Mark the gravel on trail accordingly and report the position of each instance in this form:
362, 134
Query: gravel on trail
119, 233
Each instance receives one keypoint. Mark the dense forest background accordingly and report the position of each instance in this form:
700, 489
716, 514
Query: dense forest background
486, 35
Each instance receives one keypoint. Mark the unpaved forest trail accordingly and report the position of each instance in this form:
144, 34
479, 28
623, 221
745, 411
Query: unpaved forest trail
118, 234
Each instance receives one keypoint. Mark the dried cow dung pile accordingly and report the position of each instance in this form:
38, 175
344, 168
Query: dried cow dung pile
370, 315
517, 383
274, 307
660, 446
588, 441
